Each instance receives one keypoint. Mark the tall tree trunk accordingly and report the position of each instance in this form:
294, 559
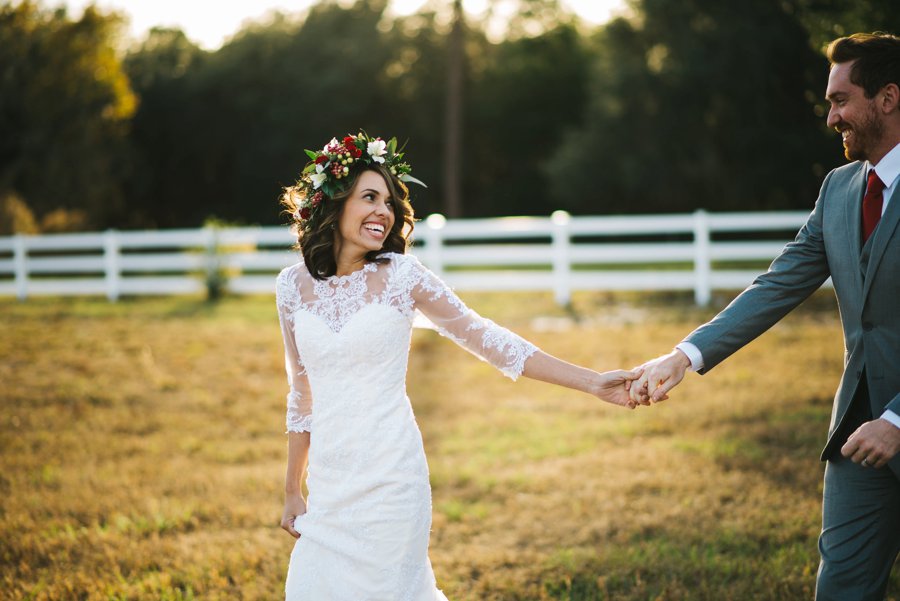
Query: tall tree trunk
453, 117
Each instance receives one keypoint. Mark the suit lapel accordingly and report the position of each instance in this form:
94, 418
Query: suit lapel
880, 238
856, 187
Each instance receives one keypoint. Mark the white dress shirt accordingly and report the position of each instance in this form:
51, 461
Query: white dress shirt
888, 170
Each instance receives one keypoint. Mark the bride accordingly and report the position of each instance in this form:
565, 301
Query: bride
346, 313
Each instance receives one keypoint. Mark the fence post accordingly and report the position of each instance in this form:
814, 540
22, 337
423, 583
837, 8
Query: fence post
111, 264
702, 259
434, 243
562, 268
20, 264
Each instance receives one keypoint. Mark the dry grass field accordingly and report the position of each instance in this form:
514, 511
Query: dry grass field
141, 456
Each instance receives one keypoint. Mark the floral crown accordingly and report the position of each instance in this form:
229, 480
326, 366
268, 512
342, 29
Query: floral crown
323, 177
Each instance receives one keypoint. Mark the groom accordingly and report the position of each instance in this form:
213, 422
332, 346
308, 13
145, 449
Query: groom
853, 236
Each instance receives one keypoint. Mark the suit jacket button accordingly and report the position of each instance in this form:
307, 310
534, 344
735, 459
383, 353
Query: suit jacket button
867, 326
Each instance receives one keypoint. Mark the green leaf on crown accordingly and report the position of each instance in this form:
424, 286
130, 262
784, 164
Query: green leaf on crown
410, 179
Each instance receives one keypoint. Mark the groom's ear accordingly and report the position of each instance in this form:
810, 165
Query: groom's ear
889, 100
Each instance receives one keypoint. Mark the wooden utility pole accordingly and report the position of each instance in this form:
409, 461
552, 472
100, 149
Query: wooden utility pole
453, 118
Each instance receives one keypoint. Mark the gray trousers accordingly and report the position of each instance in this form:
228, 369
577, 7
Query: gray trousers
860, 536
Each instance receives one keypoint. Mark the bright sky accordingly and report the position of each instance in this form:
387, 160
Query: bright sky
209, 23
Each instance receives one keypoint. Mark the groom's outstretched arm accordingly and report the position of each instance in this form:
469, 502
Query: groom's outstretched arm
795, 274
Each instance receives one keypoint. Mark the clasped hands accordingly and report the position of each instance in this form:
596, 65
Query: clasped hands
657, 377
645, 384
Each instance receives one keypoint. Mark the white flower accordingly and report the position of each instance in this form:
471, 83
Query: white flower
377, 150
318, 178
331, 146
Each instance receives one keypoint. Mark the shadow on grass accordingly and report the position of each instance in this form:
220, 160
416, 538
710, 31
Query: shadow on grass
715, 564
781, 445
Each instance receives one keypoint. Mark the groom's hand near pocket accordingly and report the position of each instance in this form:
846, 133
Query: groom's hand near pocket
873, 444
660, 376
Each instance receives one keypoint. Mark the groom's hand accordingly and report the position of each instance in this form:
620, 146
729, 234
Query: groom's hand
660, 376
873, 444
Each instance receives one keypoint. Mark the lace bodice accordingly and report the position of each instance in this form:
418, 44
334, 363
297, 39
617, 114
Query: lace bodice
401, 283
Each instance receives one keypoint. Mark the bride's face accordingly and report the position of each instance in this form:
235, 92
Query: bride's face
368, 214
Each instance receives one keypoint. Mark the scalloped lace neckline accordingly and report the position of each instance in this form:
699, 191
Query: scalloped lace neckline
369, 267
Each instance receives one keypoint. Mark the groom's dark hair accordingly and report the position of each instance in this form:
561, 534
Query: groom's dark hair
877, 57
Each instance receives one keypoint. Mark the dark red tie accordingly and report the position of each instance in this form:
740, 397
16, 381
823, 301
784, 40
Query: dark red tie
872, 202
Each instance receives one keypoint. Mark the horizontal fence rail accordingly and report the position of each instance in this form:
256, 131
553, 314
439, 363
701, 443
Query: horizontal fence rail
698, 251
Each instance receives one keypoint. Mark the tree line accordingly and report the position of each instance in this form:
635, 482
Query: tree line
682, 104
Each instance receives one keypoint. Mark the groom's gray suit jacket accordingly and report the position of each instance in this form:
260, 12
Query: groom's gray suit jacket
867, 284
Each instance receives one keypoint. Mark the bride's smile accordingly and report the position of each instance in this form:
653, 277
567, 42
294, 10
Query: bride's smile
365, 222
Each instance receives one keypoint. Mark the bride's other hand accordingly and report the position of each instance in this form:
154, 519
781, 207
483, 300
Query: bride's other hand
294, 507
613, 386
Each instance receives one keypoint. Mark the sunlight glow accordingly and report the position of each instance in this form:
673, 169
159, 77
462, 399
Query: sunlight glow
210, 24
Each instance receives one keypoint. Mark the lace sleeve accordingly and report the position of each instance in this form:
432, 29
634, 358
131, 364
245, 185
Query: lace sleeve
299, 398
452, 318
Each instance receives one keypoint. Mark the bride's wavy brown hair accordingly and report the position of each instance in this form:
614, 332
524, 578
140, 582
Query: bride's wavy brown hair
315, 236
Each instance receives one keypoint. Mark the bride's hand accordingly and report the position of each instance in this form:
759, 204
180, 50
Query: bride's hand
613, 386
294, 507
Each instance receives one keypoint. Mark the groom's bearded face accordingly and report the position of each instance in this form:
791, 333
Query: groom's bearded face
862, 135
853, 115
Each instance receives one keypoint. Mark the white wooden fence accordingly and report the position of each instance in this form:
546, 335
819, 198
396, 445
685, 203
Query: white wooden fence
558, 253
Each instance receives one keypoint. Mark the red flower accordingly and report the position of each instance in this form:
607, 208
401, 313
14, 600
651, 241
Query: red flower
321, 159
317, 198
304, 213
351, 147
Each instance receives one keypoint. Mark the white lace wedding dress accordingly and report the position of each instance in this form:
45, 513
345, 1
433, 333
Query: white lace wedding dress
365, 534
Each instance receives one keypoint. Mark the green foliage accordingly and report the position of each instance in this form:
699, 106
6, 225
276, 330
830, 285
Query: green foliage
830, 19
215, 276
65, 106
685, 104
528, 92
169, 147
414, 84
15, 216
699, 104
224, 131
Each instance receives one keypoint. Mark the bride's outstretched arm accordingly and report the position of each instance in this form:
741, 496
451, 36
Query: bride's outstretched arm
294, 503
610, 386
508, 352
